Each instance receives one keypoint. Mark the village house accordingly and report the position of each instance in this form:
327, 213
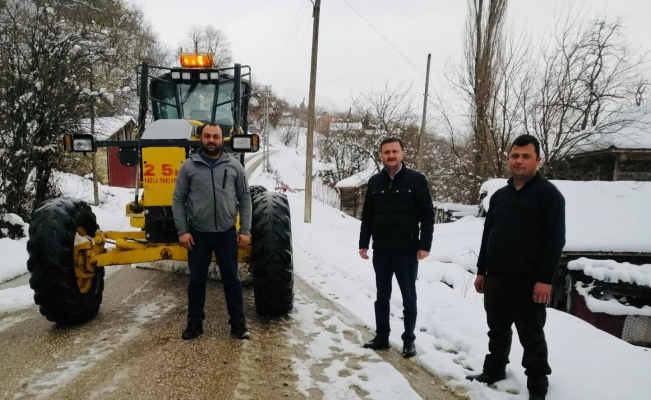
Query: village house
109, 170
621, 156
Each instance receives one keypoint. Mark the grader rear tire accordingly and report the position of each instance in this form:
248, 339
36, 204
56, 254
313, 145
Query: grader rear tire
60, 296
271, 257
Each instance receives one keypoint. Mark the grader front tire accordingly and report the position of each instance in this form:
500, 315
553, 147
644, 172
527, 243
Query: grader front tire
61, 296
271, 257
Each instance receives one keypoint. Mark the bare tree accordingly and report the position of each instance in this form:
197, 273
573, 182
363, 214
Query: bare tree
390, 111
483, 52
210, 40
589, 86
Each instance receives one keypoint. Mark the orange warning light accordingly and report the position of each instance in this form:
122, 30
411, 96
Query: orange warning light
196, 60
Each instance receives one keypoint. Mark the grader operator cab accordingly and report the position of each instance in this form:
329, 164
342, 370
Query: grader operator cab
68, 251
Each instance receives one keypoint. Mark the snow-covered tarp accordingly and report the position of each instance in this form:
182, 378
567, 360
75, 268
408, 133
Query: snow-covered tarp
357, 180
609, 304
613, 271
600, 216
105, 127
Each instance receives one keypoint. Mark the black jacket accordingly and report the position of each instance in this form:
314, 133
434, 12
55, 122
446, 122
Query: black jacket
393, 211
524, 232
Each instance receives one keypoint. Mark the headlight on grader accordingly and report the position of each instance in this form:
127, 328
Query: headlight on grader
245, 143
81, 143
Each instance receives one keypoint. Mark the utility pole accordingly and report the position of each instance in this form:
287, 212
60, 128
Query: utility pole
265, 132
422, 126
311, 117
93, 155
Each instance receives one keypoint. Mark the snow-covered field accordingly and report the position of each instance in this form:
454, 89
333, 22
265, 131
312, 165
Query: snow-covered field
451, 329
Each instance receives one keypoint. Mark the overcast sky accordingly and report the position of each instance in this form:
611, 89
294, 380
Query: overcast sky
274, 37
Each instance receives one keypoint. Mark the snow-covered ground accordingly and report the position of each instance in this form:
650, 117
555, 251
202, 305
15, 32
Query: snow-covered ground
451, 329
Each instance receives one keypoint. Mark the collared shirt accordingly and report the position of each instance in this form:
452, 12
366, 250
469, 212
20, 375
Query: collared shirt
394, 175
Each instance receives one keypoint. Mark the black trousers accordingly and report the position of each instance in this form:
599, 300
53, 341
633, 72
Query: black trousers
509, 302
224, 246
405, 266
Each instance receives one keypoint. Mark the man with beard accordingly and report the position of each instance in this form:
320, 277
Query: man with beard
524, 235
210, 189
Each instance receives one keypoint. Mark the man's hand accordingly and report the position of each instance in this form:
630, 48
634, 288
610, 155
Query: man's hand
363, 253
422, 254
186, 241
479, 283
243, 240
542, 293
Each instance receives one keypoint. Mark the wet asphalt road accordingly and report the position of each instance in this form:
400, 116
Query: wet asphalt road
133, 350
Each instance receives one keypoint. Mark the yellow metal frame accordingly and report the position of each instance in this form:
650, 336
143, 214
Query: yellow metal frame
130, 248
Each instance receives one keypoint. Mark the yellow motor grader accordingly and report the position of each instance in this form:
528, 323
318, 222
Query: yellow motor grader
68, 251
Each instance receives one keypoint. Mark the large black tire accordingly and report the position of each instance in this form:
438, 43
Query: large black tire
271, 258
51, 261
255, 190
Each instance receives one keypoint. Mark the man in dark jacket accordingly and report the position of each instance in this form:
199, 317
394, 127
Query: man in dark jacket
399, 215
210, 190
524, 234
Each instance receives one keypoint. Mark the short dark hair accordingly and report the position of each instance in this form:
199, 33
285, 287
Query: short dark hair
524, 140
391, 140
200, 128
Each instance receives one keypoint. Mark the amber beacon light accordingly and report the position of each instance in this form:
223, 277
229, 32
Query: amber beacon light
196, 60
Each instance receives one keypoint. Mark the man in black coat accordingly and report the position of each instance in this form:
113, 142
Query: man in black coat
524, 234
399, 215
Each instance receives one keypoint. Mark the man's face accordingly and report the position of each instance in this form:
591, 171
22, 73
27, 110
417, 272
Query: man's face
523, 161
212, 141
392, 155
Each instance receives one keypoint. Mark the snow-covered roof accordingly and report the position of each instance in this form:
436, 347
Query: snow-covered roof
342, 126
357, 180
637, 135
105, 127
600, 216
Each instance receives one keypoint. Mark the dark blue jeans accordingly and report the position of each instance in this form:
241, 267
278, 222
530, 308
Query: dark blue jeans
224, 245
405, 266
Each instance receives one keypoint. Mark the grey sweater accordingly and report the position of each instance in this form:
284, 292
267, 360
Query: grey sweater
208, 199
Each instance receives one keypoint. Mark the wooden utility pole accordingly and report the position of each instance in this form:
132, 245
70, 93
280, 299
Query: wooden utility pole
93, 154
311, 117
422, 126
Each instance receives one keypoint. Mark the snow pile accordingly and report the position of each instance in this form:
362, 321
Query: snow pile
612, 271
14, 263
600, 216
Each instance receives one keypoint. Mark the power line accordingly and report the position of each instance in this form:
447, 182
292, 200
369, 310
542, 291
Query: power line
299, 21
289, 40
387, 40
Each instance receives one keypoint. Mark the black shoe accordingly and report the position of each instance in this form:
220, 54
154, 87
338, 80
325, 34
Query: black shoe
408, 349
377, 344
192, 331
536, 397
238, 329
488, 379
